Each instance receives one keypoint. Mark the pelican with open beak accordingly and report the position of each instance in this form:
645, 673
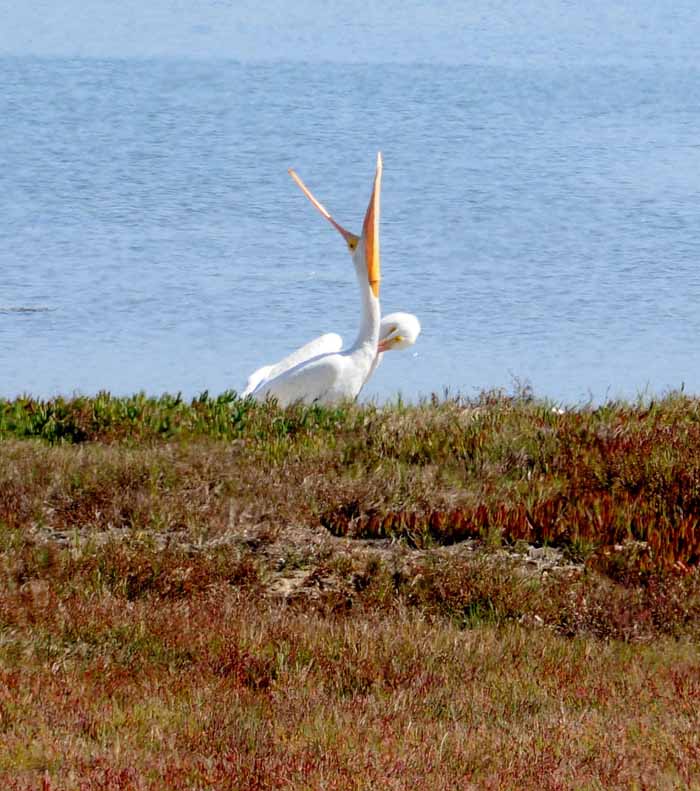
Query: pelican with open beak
332, 376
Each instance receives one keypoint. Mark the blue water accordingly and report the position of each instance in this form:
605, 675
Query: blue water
541, 216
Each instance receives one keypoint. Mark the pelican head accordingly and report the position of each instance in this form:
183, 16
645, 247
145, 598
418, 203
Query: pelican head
398, 331
368, 244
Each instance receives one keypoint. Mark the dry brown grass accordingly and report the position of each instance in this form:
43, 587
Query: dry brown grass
217, 691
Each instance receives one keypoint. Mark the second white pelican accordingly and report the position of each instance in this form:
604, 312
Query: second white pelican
397, 331
335, 376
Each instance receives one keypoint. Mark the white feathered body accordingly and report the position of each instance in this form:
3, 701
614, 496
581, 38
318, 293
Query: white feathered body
325, 379
398, 330
325, 344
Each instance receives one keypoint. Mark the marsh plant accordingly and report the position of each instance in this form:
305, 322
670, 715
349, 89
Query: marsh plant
214, 593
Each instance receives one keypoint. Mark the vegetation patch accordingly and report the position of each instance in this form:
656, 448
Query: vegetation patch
457, 594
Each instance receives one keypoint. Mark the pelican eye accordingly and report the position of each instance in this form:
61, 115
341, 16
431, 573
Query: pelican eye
352, 244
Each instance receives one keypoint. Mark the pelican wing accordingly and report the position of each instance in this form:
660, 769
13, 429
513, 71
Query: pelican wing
255, 378
329, 343
317, 380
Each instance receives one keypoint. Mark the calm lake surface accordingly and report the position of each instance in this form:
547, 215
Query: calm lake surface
541, 218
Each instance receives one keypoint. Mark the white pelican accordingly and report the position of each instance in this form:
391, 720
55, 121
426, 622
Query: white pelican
396, 331
334, 376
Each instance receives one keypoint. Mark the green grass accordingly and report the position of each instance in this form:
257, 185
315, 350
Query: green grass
434, 472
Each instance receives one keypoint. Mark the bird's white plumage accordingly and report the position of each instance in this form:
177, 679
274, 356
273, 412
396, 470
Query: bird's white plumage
325, 379
331, 377
325, 344
401, 328
262, 374
396, 331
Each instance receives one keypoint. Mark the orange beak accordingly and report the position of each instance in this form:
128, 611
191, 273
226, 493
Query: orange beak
370, 227
350, 238
370, 231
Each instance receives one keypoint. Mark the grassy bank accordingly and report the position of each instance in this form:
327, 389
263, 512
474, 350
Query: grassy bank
459, 594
